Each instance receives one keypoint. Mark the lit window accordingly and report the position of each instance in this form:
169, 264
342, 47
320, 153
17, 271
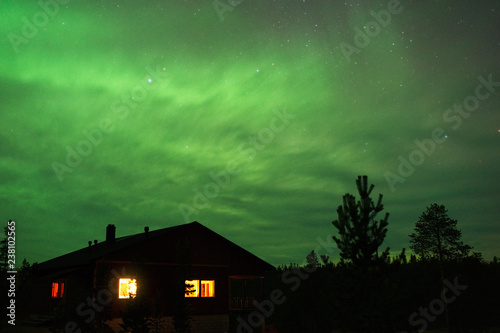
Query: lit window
197, 288
127, 288
207, 288
57, 289
191, 288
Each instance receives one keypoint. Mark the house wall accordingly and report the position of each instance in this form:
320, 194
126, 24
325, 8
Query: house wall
204, 255
40, 301
160, 264
77, 288
195, 246
157, 284
199, 324
199, 246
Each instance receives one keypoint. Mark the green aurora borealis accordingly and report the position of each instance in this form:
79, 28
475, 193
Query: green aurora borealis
263, 100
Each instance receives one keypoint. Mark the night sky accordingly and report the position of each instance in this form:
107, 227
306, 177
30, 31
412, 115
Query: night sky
253, 118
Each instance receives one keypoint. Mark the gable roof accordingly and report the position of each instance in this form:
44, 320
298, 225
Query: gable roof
101, 250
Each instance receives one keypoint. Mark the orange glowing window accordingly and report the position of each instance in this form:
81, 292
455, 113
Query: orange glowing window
191, 288
57, 289
127, 288
207, 288
197, 288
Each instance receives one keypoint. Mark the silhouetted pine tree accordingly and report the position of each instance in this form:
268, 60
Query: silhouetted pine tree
362, 302
360, 235
436, 236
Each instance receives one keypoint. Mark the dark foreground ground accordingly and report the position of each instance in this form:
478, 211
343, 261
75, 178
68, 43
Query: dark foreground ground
24, 329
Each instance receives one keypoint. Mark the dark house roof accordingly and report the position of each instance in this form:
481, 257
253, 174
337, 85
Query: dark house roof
101, 251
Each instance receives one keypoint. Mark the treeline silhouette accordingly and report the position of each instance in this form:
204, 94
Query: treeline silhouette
392, 296
443, 286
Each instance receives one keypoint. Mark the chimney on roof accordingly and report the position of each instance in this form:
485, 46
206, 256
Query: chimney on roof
90, 245
146, 230
110, 233
95, 241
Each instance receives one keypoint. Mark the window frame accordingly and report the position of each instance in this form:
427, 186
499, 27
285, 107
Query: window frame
60, 289
130, 296
198, 291
195, 293
211, 291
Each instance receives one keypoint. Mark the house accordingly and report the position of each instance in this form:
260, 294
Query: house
187, 267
